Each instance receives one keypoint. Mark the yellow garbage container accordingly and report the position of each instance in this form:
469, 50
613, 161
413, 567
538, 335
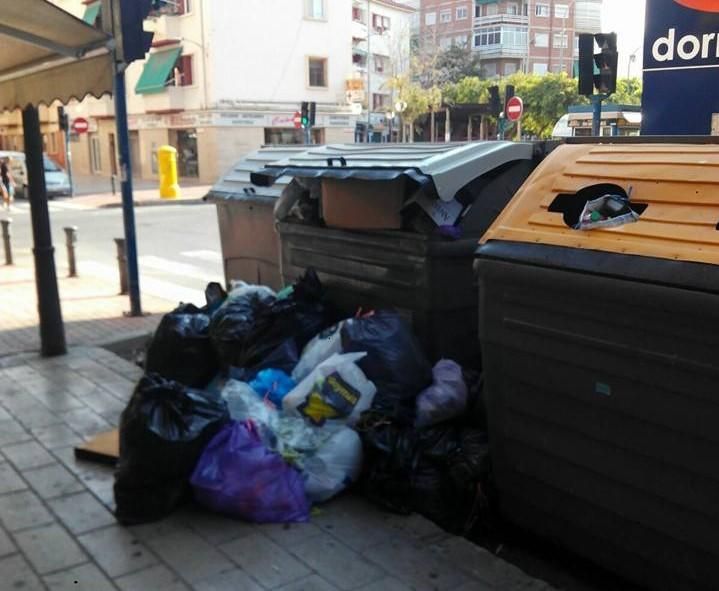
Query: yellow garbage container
167, 159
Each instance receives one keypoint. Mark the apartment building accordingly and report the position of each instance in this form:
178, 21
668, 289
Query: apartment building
535, 36
224, 77
382, 32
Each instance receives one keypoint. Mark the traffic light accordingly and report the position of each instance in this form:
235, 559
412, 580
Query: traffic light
126, 26
495, 103
304, 115
508, 94
312, 113
598, 70
62, 119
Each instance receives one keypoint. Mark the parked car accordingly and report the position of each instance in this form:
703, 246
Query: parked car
57, 180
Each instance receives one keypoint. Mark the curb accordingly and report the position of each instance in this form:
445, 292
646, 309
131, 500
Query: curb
198, 201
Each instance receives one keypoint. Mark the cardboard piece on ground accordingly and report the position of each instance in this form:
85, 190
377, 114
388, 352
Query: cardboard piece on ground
104, 448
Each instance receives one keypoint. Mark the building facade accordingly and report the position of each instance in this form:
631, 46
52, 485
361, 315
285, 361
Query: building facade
225, 77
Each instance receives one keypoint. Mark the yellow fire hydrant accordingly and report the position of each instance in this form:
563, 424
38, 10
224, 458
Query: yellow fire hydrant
167, 161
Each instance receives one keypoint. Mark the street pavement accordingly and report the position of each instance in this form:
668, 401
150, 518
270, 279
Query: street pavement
57, 531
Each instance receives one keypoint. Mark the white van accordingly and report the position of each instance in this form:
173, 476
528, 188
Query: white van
57, 180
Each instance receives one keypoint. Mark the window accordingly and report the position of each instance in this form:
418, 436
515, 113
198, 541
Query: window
380, 102
561, 11
460, 40
183, 71
504, 35
445, 16
359, 59
510, 69
541, 39
95, 157
492, 9
560, 40
539, 68
461, 13
381, 64
446, 42
541, 10
380, 23
317, 70
430, 19
184, 6
357, 14
490, 70
512, 9
315, 9
477, 10
556, 68
289, 136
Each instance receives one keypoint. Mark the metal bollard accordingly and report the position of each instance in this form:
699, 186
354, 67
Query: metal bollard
70, 240
6, 240
122, 264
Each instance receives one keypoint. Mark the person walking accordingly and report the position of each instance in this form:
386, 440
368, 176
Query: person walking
8, 183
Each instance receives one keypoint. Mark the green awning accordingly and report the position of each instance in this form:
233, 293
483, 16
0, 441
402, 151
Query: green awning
486, 1
92, 11
158, 68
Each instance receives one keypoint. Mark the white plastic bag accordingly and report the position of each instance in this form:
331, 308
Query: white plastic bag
337, 389
290, 436
319, 349
334, 466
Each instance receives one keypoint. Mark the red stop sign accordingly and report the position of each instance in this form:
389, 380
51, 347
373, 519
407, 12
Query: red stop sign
515, 108
80, 125
297, 120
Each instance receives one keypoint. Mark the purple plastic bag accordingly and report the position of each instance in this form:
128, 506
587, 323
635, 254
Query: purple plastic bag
445, 399
237, 475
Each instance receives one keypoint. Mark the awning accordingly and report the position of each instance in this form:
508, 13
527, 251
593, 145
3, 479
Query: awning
47, 54
158, 67
92, 11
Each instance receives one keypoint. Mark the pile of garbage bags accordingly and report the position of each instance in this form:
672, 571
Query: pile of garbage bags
261, 404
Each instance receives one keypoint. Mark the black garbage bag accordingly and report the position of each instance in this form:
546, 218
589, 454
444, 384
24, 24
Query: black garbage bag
233, 323
181, 349
298, 316
163, 431
441, 472
284, 358
395, 362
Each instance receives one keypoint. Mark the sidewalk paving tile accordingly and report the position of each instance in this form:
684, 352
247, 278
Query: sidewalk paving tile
27, 455
311, 583
264, 560
16, 574
86, 422
214, 528
344, 568
50, 548
86, 577
54, 436
6, 544
289, 534
189, 555
232, 580
10, 480
52, 481
81, 512
22, 510
388, 584
117, 551
157, 578
12, 432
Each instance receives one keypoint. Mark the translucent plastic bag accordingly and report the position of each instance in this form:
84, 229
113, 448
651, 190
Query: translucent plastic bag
445, 399
237, 475
335, 465
337, 389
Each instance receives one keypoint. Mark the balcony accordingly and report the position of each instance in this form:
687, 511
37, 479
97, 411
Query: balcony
501, 19
500, 50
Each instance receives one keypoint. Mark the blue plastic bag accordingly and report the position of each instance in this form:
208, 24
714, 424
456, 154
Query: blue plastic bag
237, 475
273, 384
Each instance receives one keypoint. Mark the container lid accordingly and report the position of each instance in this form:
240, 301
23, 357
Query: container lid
678, 183
448, 167
237, 185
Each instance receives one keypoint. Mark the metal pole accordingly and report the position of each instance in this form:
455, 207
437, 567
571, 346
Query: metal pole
70, 240
6, 238
596, 114
68, 159
122, 264
369, 67
128, 211
52, 331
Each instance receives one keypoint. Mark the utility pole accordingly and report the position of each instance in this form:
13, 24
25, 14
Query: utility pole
369, 67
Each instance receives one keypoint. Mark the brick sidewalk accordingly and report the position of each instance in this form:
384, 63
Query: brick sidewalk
91, 308
57, 531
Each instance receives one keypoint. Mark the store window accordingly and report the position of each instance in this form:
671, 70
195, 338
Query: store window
317, 72
541, 10
290, 136
187, 155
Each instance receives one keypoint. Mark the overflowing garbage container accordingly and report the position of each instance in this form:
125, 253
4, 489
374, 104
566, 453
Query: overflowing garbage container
250, 245
598, 314
396, 225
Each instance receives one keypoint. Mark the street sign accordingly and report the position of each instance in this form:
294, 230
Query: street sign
80, 125
297, 120
515, 108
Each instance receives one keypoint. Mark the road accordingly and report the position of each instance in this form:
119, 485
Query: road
178, 245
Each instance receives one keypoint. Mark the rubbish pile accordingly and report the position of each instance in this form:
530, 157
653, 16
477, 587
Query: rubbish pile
261, 404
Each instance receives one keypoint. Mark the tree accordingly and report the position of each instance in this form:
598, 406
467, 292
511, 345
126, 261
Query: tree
454, 64
416, 97
629, 92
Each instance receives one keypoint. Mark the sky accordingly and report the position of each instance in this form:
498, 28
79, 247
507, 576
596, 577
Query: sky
626, 19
